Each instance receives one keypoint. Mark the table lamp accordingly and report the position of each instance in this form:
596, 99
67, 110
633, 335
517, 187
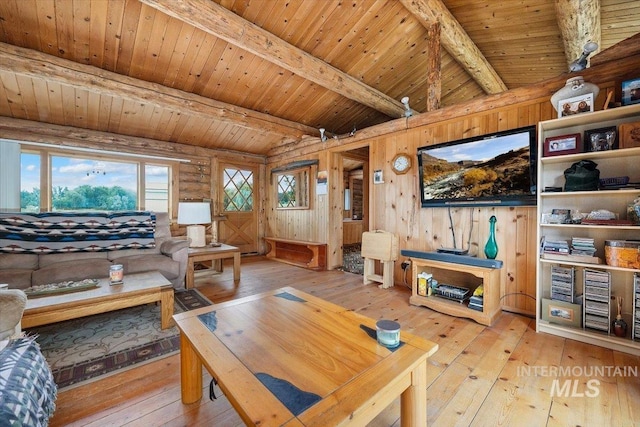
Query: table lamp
194, 215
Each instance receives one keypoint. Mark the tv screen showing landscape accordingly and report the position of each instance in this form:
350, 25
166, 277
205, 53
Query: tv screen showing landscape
494, 169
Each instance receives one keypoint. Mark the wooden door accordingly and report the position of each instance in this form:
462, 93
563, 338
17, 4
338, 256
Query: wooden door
238, 199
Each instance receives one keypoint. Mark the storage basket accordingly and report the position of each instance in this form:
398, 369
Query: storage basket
622, 253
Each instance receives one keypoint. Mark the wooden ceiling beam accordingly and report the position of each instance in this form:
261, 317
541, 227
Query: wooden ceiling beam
579, 22
214, 19
35, 64
457, 42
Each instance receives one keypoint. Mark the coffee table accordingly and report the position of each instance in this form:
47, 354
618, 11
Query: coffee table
285, 357
137, 289
212, 253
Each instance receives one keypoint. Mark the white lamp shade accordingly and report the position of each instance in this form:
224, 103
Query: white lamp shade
194, 214
191, 213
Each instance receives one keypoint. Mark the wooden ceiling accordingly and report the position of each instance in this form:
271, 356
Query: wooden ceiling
252, 75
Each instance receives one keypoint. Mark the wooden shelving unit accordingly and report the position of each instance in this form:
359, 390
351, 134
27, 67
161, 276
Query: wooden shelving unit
612, 163
463, 275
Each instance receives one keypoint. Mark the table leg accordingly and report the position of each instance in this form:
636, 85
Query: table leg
413, 402
190, 372
236, 266
190, 271
166, 307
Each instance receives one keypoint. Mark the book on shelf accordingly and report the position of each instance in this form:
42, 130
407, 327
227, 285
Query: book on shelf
571, 258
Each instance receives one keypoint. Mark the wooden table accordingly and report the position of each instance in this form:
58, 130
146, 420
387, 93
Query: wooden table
325, 359
211, 253
137, 289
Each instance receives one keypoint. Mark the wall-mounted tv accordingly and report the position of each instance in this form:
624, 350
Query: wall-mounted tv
496, 169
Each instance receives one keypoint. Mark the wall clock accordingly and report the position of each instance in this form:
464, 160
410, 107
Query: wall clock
401, 163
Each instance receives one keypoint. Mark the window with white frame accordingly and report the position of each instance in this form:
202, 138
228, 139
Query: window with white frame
82, 181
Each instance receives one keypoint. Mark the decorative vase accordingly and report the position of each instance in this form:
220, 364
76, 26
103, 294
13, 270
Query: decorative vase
491, 248
620, 327
575, 86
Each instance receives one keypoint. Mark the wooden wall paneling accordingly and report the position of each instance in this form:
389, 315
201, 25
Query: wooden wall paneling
68, 94
180, 79
54, 106
82, 108
177, 54
161, 54
130, 21
81, 31
155, 54
64, 29
115, 115
45, 11
13, 94
27, 95
5, 105
330, 207
97, 32
168, 122
94, 107
113, 34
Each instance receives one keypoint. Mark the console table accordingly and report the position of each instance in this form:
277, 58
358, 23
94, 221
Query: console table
212, 253
464, 275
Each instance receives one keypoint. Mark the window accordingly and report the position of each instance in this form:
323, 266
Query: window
85, 182
238, 190
293, 189
29, 182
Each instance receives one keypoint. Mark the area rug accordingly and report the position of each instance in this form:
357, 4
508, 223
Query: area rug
83, 349
352, 260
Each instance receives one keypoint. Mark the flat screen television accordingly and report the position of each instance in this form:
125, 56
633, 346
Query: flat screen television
497, 169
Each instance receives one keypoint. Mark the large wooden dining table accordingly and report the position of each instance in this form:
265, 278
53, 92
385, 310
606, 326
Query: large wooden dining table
286, 357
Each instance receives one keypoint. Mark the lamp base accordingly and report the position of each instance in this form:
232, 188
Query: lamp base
197, 235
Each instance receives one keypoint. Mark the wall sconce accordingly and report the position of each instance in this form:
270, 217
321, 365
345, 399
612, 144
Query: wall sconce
407, 109
323, 137
581, 63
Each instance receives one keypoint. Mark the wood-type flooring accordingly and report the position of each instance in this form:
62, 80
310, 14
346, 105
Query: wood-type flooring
503, 375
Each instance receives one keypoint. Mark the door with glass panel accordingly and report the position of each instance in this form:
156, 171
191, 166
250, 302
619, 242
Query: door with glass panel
239, 204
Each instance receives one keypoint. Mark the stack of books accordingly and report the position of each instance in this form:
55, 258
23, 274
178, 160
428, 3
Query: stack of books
476, 302
582, 246
555, 247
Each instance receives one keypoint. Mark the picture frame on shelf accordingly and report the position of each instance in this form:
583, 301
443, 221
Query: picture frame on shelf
561, 312
629, 135
631, 91
576, 105
563, 144
602, 139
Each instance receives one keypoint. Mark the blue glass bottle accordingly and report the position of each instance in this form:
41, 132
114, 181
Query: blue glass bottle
491, 248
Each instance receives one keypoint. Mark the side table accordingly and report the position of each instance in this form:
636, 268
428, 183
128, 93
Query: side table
212, 253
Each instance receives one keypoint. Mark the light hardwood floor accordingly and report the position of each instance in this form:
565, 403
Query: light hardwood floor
478, 376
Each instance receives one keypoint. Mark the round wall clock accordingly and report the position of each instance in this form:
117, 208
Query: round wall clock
401, 163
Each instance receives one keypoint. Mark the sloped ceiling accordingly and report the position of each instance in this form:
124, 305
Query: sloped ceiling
252, 75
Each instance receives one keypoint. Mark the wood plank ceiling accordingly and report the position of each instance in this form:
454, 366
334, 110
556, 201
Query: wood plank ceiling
251, 75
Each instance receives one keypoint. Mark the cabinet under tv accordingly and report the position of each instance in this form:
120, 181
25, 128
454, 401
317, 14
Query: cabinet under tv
462, 276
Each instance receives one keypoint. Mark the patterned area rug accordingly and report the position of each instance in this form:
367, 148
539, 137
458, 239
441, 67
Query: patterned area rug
82, 349
352, 260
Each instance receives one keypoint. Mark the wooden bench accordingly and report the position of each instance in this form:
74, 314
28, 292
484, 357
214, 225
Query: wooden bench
311, 255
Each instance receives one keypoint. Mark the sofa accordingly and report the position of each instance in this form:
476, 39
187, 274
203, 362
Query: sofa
27, 388
53, 247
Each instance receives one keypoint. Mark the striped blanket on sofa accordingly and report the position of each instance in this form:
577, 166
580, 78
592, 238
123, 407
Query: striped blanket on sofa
64, 232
